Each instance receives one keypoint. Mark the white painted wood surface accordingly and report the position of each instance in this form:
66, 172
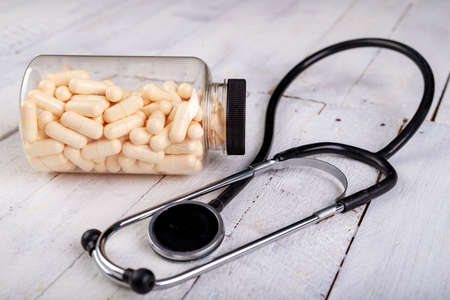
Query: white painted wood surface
402, 249
42, 216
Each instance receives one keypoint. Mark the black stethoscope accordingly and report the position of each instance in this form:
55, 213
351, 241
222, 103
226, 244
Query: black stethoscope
183, 230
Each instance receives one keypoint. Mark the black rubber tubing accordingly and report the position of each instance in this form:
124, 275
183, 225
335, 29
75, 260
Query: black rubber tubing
378, 159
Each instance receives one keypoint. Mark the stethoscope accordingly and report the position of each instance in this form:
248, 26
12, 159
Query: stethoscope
184, 230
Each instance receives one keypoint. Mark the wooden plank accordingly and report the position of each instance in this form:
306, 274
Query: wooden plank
43, 229
402, 247
393, 81
304, 264
19, 180
332, 79
202, 33
381, 78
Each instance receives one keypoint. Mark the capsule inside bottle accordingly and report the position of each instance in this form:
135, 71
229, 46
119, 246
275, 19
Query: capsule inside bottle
141, 115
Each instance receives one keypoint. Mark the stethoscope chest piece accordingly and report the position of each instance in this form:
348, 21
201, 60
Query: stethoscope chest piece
186, 231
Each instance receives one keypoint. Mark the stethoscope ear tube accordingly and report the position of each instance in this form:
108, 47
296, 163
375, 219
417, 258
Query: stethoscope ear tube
143, 280
372, 159
386, 152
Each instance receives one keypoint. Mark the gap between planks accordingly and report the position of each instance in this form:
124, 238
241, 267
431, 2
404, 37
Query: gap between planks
61, 274
366, 207
9, 133
433, 118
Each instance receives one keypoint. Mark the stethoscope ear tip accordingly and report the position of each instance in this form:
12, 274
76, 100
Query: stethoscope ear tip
186, 231
141, 280
89, 239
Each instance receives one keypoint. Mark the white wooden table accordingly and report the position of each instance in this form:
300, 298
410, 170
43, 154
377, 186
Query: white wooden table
398, 247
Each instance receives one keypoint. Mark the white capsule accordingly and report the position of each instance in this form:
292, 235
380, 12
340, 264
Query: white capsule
132, 169
195, 131
194, 104
98, 119
140, 136
184, 90
83, 125
29, 122
74, 155
156, 122
146, 168
86, 108
113, 93
188, 147
140, 167
112, 164
122, 127
179, 164
44, 118
67, 167
160, 141
41, 134
148, 109
64, 77
154, 93
100, 166
123, 109
87, 87
186, 111
57, 163
99, 150
142, 152
38, 165
165, 107
62, 93
180, 123
65, 135
172, 114
125, 162
44, 148
46, 102
47, 86
92, 98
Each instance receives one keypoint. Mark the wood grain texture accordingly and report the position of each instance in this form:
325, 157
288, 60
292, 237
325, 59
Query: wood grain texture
203, 32
359, 98
392, 81
304, 264
403, 245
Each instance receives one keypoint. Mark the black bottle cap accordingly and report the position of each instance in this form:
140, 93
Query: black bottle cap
236, 95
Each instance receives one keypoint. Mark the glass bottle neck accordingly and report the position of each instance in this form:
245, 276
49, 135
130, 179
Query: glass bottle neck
214, 109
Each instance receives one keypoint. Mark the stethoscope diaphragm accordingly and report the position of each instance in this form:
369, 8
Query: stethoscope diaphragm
186, 231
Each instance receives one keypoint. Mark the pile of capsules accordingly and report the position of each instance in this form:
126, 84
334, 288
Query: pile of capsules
72, 123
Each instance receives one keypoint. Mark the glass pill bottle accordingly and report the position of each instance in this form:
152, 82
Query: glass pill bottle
123, 114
